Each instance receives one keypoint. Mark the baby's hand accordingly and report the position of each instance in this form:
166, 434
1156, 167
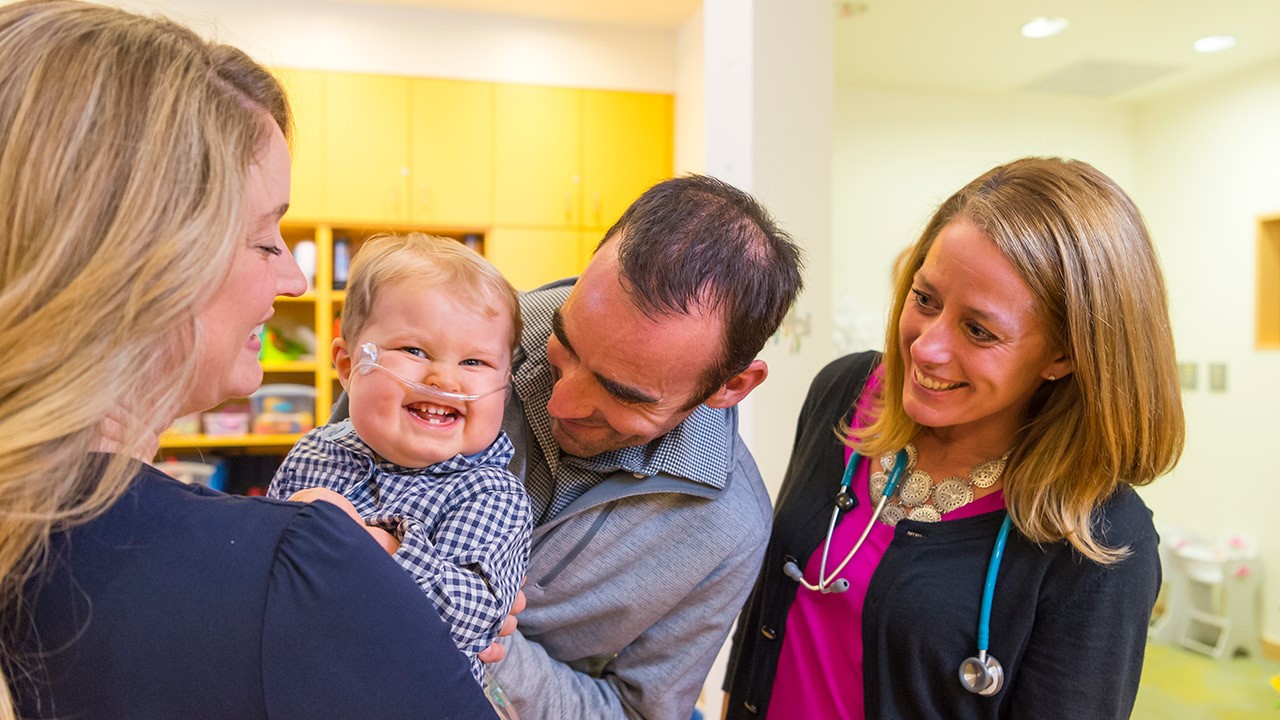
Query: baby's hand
385, 540
312, 494
496, 650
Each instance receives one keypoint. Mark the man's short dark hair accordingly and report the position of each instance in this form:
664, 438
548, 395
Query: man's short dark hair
697, 242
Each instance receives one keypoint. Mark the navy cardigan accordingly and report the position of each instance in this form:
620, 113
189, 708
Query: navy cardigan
1069, 632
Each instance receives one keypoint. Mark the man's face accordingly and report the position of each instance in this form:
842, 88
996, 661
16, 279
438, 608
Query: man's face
621, 378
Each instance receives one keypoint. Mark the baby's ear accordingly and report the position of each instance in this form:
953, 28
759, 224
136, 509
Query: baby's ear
341, 356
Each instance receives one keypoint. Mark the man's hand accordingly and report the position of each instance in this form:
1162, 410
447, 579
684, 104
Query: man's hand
385, 540
496, 650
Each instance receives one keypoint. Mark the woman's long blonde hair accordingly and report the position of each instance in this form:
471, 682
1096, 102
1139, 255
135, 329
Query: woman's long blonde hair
125, 144
1080, 244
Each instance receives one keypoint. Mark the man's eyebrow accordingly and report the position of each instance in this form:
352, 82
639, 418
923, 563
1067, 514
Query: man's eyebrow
557, 329
626, 393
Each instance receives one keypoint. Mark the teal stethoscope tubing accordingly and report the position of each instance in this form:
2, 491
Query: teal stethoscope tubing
989, 587
981, 674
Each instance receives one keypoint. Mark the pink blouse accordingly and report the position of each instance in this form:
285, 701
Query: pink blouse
820, 670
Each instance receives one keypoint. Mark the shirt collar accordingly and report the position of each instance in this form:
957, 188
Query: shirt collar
498, 453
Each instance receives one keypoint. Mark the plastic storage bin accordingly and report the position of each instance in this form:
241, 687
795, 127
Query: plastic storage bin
186, 425
226, 422
283, 408
188, 472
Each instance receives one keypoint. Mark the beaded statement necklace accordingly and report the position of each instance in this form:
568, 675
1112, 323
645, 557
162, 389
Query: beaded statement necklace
919, 498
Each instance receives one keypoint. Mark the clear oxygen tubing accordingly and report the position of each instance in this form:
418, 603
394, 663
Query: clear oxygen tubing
370, 353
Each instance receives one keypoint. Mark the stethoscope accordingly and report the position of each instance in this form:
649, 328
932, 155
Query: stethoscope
981, 674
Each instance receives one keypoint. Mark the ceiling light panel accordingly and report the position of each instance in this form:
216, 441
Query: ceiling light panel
1043, 27
1214, 43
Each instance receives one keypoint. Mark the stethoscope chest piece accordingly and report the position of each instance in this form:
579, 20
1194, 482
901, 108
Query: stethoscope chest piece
982, 674
844, 501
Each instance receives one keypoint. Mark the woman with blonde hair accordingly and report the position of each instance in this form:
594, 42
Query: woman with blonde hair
143, 175
986, 555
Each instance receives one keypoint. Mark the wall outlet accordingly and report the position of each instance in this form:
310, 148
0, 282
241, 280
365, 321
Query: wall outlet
1188, 375
1217, 377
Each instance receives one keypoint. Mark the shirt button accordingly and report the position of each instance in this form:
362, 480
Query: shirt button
768, 632
751, 708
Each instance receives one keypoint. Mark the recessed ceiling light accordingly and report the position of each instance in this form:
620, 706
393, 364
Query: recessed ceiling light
1043, 27
1214, 43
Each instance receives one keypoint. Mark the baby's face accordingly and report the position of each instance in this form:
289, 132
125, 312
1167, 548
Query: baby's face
428, 336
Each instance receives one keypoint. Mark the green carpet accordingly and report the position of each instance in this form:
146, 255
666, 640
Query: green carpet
1184, 685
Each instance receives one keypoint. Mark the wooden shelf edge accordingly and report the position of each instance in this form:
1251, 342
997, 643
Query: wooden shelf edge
294, 366
191, 442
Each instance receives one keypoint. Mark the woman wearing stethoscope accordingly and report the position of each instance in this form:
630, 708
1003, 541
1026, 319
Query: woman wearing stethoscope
956, 536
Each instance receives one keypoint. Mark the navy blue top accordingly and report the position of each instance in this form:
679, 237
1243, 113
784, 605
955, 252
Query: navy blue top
180, 601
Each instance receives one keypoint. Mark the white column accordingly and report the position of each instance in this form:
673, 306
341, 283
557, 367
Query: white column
767, 97
769, 88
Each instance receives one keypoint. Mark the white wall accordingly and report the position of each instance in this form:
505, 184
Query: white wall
1208, 165
691, 112
1202, 164
899, 154
433, 43
769, 78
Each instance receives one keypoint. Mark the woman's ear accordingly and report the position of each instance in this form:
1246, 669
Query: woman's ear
1058, 369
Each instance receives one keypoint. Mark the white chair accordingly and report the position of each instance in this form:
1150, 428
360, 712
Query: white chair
1224, 588
1168, 627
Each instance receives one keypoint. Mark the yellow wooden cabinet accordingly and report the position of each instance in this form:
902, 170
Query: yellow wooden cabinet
536, 174
627, 146
366, 175
588, 241
305, 89
451, 166
537, 140
530, 257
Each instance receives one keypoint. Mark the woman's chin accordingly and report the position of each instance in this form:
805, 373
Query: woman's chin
245, 382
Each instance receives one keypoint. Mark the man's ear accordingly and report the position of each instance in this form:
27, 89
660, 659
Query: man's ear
341, 356
738, 387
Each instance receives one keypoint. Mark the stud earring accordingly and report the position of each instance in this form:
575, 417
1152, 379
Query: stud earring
1052, 378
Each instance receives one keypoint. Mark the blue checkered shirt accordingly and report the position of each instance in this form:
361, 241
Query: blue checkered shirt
463, 524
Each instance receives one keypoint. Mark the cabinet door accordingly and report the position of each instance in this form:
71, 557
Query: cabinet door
530, 257
367, 158
537, 156
627, 146
305, 89
588, 240
451, 134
